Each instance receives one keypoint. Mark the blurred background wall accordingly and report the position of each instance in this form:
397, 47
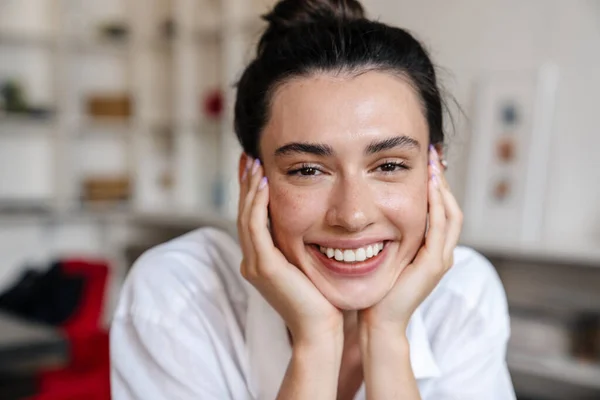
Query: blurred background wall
115, 134
472, 40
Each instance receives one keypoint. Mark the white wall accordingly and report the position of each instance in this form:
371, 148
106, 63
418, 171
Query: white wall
470, 38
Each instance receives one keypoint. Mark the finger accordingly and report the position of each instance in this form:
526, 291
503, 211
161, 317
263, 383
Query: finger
453, 212
258, 223
244, 183
253, 178
436, 163
454, 221
437, 216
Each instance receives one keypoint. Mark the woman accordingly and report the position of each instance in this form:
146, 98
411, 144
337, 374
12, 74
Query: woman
348, 234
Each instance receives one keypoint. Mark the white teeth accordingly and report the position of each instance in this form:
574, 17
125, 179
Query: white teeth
349, 255
361, 255
352, 255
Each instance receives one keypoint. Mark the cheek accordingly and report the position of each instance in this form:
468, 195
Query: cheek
406, 207
293, 211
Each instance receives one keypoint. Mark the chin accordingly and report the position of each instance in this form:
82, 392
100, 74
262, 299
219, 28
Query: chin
357, 286
355, 302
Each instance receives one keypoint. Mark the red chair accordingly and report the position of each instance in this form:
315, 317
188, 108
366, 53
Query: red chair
87, 374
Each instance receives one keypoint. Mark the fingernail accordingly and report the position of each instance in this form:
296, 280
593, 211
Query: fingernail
255, 166
263, 183
435, 180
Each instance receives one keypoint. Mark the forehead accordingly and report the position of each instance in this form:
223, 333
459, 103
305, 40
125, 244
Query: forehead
340, 109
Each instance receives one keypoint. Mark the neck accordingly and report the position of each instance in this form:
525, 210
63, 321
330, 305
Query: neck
350, 323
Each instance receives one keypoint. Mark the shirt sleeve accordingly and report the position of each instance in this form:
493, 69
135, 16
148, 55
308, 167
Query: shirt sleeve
469, 342
169, 338
153, 361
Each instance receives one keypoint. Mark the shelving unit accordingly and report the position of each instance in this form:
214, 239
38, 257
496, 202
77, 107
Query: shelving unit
167, 138
183, 164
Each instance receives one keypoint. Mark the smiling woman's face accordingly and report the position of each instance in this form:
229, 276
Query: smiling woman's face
346, 159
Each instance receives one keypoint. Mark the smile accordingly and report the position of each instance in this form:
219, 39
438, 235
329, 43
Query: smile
353, 255
351, 262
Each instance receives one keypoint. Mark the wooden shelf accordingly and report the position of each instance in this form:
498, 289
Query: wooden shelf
25, 120
98, 45
185, 220
101, 210
26, 206
27, 39
121, 213
61, 217
88, 124
117, 46
92, 44
159, 125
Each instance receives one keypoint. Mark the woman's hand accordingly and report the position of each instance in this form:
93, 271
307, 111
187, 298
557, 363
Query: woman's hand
384, 345
308, 315
433, 260
315, 324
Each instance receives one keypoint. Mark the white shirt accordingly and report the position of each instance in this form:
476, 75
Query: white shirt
188, 326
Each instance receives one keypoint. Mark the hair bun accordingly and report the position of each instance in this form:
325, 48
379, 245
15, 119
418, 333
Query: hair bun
289, 14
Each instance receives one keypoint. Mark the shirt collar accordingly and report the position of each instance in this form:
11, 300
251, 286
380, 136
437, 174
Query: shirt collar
269, 351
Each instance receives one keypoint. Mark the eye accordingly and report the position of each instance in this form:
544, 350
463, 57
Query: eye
305, 170
390, 167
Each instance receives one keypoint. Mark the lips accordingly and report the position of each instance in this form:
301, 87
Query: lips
345, 267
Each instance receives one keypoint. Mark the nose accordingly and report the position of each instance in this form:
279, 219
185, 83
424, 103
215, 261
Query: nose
351, 206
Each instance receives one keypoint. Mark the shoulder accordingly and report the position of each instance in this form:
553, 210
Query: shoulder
178, 324
471, 289
467, 327
474, 278
200, 267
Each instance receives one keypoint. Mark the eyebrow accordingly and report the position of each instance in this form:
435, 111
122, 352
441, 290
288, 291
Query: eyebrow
324, 150
316, 149
402, 141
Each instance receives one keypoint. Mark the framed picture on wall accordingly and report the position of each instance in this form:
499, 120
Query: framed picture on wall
508, 157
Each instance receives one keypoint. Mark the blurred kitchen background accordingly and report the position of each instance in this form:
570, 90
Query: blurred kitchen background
116, 134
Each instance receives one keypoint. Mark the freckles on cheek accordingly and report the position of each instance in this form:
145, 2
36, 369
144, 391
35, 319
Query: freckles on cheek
290, 209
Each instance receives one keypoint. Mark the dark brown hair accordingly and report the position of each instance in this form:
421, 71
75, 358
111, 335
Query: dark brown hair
306, 37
